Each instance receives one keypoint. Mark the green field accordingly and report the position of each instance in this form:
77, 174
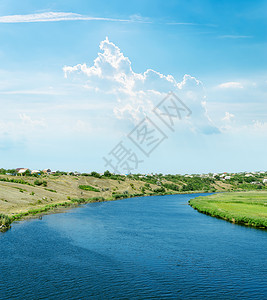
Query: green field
247, 208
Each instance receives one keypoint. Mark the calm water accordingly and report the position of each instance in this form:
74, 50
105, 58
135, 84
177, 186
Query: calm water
141, 248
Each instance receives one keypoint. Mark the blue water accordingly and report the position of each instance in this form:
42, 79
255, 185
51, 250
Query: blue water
139, 248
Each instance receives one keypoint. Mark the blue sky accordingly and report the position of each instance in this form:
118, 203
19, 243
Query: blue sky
77, 76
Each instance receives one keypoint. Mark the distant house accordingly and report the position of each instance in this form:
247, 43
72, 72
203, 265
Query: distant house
264, 180
21, 170
227, 177
35, 172
47, 171
248, 175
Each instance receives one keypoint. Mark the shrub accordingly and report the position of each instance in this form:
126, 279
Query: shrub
159, 190
88, 188
5, 220
107, 173
13, 180
95, 174
40, 182
171, 186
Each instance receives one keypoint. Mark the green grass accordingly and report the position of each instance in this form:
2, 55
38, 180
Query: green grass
53, 191
247, 208
5, 222
88, 188
40, 182
49, 207
13, 180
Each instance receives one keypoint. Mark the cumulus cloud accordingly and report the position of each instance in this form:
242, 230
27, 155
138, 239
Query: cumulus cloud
231, 85
138, 93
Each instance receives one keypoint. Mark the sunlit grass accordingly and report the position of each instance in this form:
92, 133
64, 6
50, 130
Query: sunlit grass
249, 208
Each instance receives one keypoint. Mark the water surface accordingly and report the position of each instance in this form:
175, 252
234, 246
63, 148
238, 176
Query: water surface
139, 248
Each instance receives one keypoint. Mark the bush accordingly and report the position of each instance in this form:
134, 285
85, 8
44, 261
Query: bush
88, 188
95, 174
107, 173
159, 190
5, 220
40, 182
171, 186
20, 181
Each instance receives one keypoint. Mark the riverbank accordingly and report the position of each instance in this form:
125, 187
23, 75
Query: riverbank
30, 195
245, 208
26, 197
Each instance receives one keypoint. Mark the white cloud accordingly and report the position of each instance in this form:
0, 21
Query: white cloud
82, 127
260, 127
231, 85
138, 93
228, 117
182, 23
235, 36
48, 91
55, 17
190, 24
27, 120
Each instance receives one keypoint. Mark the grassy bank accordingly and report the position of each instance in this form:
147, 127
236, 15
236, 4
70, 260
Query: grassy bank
28, 195
5, 220
246, 208
25, 195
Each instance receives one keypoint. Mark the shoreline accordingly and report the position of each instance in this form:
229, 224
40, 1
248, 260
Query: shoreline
208, 207
61, 207
66, 205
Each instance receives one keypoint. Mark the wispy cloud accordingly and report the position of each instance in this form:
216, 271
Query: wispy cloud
228, 117
182, 23
235, 36
48, 91
69, 16
231, 85
190, 24
57, 16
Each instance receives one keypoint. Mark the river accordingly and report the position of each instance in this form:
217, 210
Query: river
138, 248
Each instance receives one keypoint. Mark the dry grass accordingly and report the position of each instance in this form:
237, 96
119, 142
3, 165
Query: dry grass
18, 198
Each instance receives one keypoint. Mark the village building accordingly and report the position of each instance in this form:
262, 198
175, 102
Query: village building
35, 171
21, 171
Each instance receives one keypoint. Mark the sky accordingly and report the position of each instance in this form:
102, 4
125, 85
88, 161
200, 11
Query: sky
138, 86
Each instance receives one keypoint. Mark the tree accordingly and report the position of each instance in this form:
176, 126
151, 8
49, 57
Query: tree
27, 173
95, 174
107, 173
